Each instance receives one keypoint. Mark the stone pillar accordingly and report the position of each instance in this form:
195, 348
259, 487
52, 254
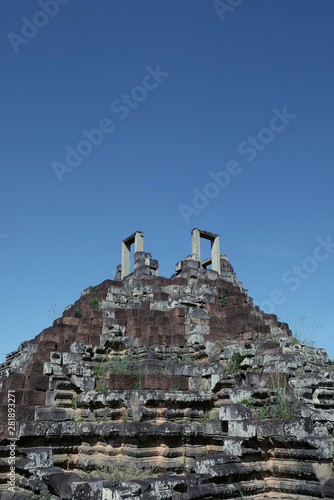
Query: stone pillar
196, 244
215, 254
196, 235
138, 239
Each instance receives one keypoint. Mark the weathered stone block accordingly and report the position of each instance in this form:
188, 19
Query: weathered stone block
233, 446
124, 381
289, 428
234, 412
241, 428
34, 458
56, 357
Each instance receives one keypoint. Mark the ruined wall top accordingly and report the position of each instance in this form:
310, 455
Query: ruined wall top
145, 265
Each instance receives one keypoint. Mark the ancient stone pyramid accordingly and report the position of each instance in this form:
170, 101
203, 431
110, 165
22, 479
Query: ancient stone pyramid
167, 388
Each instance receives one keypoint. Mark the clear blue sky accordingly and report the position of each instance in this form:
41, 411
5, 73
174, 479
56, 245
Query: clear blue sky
182, 91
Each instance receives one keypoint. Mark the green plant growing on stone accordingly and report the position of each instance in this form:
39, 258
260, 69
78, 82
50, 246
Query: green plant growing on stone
101, 387
207, 418
301, 468
73, 403
262, 408
159, 355
301, 335
284, 408
136, 386
222, 298
122, 366
263, 411
247, 402
94, 303
241, 493
91, 288
255, 336
100, 369
235, 362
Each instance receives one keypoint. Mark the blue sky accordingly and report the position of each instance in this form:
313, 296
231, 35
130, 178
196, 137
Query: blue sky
160, 117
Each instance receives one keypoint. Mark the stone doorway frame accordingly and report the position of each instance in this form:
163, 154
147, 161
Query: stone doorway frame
196, 235
137, 239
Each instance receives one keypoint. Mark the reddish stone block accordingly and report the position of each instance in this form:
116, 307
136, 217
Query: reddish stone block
65, 329
47, 346
272, 317
33, 397
46, 334
178, 340
212, 308
216, 333
144, 307
14, 381
70, 320
106, 284
153, 330
176, 312
162, 321
164, 330
97, 329
36, 366
121, 314
84, 326
155, 381
155, 280
135, 332
164, 382
95, 313
94, 339
38, 382
178, 330
160, 296
97, 322
122, 381
148, 322
26, 413
134, 322
159, 339
175, 322
82, 337
132, 313
179, 281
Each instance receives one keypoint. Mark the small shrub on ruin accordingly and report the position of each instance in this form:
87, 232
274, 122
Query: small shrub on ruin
222, 298
284, 408
100, 369
94, 303
235, 362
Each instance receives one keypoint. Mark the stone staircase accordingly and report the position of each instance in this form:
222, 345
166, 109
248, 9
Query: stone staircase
108, 408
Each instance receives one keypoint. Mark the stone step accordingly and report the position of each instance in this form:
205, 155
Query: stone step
60, 398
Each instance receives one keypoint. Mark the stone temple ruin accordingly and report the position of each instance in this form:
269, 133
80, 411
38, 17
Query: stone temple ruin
168, 388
